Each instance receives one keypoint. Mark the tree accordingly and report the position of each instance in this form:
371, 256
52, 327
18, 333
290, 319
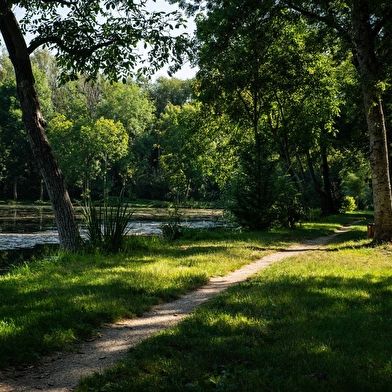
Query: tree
268, 69
234, 61
170, 91
15, 152
364, 26
20, 177
88, 36
128, 103
87, 150
182, 149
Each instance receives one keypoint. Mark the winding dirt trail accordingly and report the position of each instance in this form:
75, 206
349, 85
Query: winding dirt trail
62, 371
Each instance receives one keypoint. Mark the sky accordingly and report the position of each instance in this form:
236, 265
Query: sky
186, 72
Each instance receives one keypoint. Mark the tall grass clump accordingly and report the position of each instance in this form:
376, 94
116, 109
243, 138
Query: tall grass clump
107, 225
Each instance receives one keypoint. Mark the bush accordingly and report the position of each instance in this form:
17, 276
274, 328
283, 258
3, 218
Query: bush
254, 190
263, 195
348, 204
288, 206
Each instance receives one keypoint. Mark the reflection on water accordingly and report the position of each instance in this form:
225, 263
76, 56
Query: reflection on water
26, 227
16, 219
18, 241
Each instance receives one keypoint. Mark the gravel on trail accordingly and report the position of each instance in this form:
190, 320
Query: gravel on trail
61, 371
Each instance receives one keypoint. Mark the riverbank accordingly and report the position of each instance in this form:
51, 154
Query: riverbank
27, 218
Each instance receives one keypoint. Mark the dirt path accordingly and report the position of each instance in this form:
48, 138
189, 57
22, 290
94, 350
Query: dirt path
62, 371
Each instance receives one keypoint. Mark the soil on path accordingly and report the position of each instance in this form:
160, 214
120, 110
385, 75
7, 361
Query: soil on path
62, 371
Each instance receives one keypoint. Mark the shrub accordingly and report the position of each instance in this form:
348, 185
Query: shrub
348, 204
263, 195
288, 205
254, 190
107, 225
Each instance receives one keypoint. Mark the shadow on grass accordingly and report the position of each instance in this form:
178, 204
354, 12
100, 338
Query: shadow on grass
51, 313
354, 238
304, 334
48, 317
49, 305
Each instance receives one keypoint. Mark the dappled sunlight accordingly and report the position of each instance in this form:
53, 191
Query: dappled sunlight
351, 294
76, 293
319, 348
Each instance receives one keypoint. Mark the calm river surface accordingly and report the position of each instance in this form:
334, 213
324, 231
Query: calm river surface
27, 226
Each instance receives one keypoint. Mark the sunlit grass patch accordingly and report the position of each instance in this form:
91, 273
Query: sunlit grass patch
51, 304
320, 321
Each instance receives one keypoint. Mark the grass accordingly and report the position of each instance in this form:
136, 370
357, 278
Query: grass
52, 304
321, 321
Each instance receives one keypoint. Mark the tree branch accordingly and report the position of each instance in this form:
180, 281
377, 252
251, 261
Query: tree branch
37, 42
14, 40
329, 20
381, 23
63, 2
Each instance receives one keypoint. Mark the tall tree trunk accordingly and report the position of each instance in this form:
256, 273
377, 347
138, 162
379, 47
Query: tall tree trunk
286, 158
367, 66
324, 204
188, 189
301, 169
35, 128
41, 191
328, 194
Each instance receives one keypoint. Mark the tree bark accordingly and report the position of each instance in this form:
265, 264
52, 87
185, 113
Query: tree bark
325, 210
328, 194
35, 128
367, 65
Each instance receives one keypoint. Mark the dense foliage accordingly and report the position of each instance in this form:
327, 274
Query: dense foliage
272, 127
236, 39
199, 140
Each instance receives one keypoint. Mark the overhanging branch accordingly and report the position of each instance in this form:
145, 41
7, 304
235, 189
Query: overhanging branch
38, 42
327, 19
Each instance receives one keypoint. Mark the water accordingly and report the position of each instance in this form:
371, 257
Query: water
27, 227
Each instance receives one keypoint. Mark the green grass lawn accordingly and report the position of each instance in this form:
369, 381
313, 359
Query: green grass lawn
321, 321
258, 334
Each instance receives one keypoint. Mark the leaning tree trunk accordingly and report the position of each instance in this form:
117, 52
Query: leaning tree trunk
35, 128
367, 66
